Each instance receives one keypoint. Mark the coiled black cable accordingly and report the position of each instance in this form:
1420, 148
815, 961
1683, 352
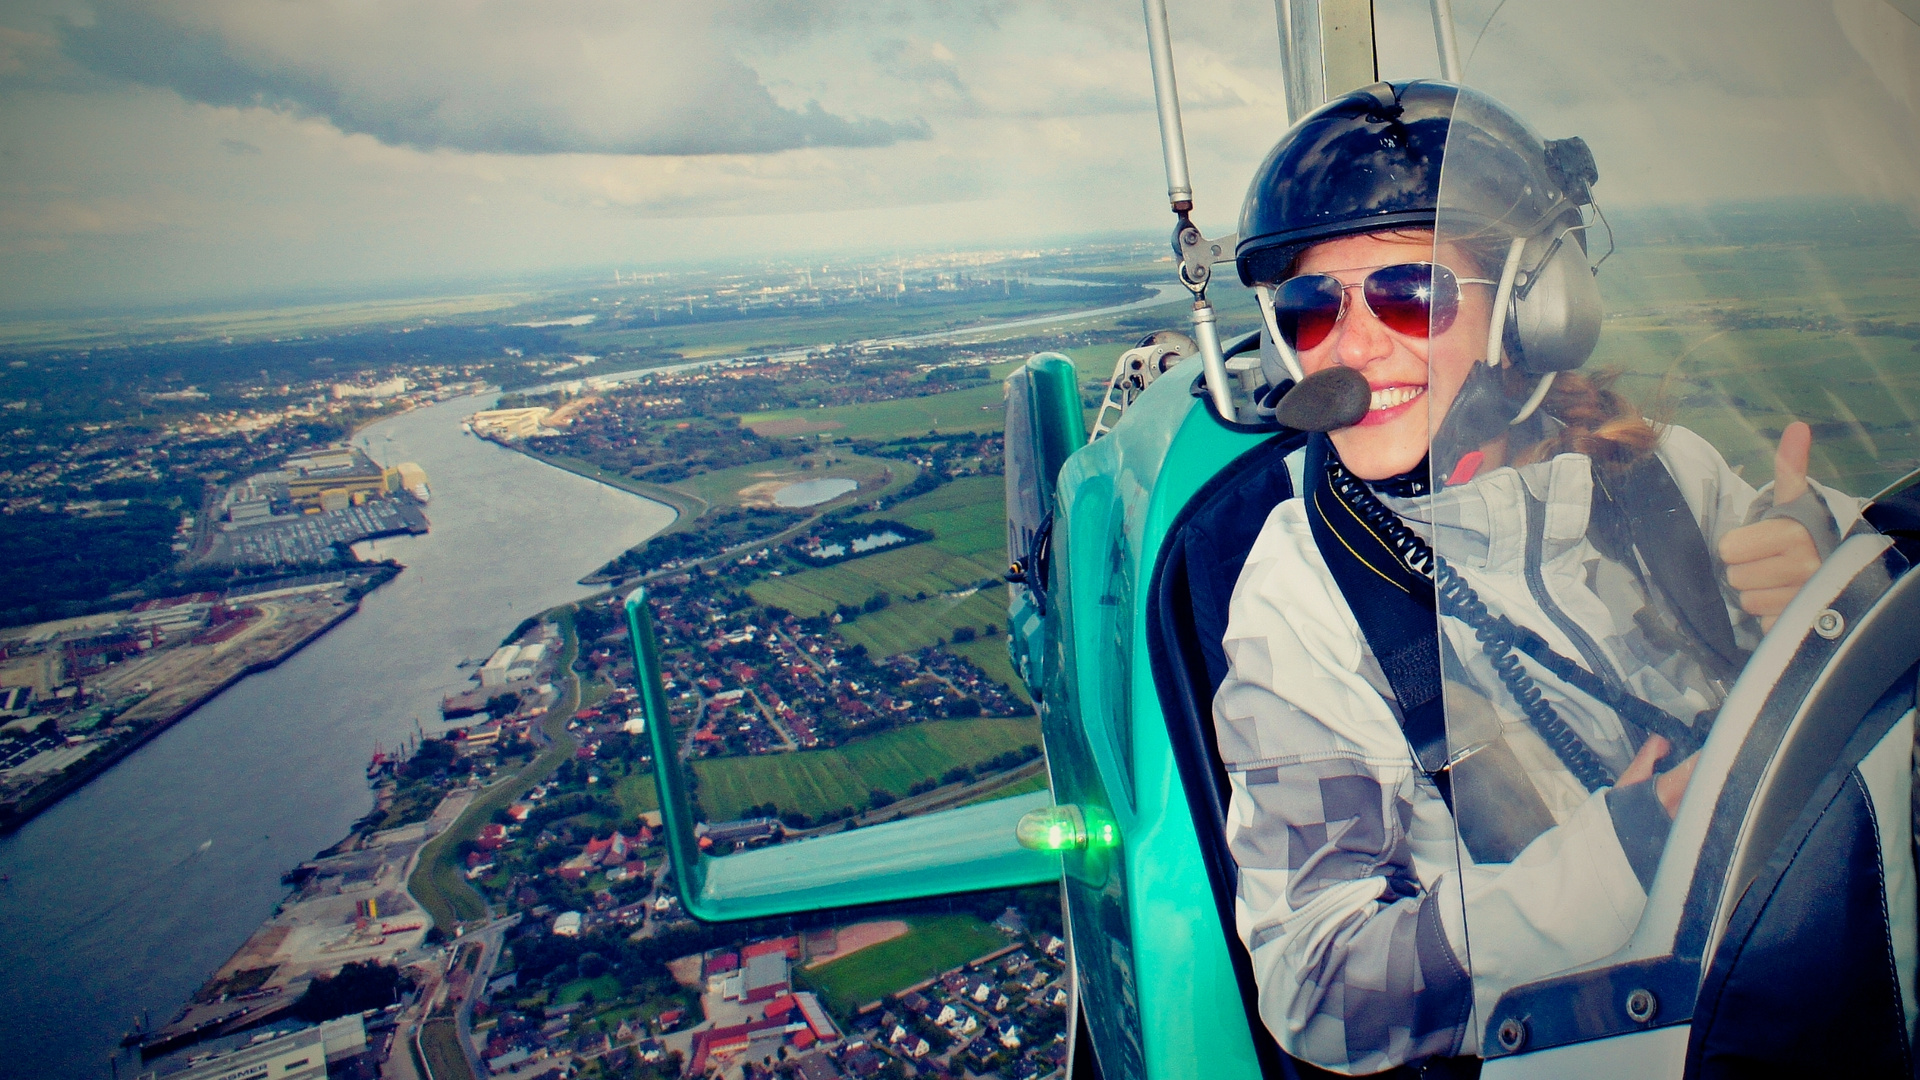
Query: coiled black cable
1499, 637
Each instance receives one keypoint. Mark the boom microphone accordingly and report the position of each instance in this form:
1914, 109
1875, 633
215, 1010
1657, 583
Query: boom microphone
1329, 399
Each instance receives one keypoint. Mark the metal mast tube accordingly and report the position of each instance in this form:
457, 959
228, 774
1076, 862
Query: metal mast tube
1300, 70
1173, 140
1444, 39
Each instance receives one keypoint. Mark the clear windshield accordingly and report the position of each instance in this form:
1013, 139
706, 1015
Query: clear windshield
1637, 469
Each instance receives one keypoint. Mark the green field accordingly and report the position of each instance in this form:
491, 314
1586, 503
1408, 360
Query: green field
440, 1045
1735, 341
1036, 782
637, 793
814, 782
908, 625
936, 943
775, 332
967, 516
968, 520
977, 408
604, 989
902, 572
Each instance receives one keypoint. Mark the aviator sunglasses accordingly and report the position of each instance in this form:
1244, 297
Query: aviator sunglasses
1414, 299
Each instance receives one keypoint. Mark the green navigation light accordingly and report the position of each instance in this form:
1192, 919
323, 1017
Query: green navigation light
1052, 828
1067, 828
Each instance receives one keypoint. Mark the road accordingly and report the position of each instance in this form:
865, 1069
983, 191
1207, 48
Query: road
492, 941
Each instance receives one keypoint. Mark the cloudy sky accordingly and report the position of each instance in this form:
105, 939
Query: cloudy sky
205, 149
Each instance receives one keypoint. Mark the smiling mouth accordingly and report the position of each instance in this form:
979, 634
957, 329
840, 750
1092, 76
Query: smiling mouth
1393, 396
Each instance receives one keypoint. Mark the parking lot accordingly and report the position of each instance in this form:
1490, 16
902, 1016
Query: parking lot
310, 538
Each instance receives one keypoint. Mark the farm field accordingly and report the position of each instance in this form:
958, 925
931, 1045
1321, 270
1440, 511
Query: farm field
1031, 784
1735, 342
968, 520
967, 516
902, 572
977, 408
814, 782
907, 625
935, 944
257, 323
773, 333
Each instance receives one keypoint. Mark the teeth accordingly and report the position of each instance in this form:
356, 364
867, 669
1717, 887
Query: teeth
1394, 395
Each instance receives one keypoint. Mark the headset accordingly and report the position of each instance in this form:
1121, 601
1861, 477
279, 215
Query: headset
1371, 160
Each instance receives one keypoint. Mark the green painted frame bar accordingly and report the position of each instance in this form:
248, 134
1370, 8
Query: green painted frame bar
1053, 396
963, 850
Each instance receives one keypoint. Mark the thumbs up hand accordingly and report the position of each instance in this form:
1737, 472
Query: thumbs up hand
1769, 560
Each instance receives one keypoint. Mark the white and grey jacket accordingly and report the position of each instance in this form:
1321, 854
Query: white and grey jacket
1354, 882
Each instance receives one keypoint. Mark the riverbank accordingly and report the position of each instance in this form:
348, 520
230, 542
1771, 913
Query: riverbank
219, 667
378, 901
125, 895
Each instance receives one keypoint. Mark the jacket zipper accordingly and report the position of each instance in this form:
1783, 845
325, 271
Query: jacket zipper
1537, 585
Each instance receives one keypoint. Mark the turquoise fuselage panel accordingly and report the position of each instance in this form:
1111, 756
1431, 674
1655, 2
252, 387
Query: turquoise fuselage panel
1155, 976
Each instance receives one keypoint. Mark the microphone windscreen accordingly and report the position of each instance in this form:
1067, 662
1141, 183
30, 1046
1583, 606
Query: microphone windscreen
1329, 399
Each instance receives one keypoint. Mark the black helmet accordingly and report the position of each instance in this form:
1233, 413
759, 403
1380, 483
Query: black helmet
1371, 161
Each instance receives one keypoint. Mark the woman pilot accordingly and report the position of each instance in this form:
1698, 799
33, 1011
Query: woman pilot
1582, 644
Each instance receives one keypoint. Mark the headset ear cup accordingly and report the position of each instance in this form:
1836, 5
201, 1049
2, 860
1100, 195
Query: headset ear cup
1558, 323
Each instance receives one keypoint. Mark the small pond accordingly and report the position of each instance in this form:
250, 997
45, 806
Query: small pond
812, 492
876, 540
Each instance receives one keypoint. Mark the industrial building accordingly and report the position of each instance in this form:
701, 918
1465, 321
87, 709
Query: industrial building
393, 387
413, 479
323, 480
337, 478
494, 671
298, 1055
510, 423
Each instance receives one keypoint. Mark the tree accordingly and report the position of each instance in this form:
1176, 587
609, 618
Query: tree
358, 986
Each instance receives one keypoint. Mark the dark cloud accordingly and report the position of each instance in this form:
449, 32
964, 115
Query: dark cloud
516, 91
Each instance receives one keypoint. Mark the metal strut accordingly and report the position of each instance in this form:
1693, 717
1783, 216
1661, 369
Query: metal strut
1196, 253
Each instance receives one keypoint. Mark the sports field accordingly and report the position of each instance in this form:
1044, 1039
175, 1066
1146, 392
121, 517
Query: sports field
936, 943
816, 781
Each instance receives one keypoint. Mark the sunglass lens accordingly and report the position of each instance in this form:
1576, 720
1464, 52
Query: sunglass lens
1414, 298
1307, 307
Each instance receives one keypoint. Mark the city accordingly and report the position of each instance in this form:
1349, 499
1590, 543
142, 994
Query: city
829, 598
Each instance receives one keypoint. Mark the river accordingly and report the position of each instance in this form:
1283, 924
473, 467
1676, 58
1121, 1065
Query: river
127, 894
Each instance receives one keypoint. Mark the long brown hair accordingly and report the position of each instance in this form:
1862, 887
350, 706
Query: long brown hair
1600, 422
